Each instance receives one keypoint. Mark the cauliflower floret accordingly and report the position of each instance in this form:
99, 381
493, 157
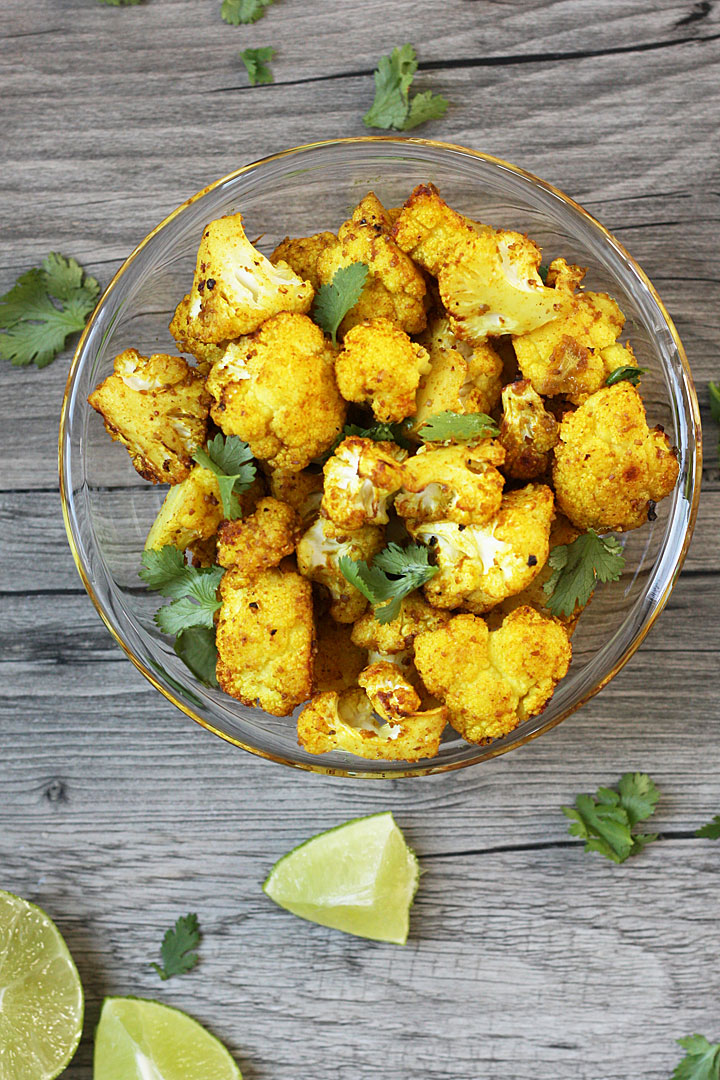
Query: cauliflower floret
491, 681
462, 379
564, 277
253, 544
482, 564
609, 467
488, 278
235, 288
360, 477
394, 288
453, 483
276, 390
157, 407
191, 511
302, 254
527, 432
265, 639
318, 553
395, 638
338, 662
347, 722
380, 364
302, 490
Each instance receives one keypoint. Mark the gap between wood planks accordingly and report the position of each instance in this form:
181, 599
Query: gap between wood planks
540, 845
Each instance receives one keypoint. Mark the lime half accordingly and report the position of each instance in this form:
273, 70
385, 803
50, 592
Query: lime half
360, 877
144, 1040
41, 999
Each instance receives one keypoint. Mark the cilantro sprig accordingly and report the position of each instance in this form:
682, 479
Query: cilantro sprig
606, 820
711, 831
395, 573
393, 107
578, 567
256, 65
231, 460
175, 951
239, 12
197, 649
378, 433
192, 589
626, 373
701, 1061
335, 299
458, 427
43, 308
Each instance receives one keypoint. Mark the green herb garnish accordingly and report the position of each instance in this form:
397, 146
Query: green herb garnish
606, 819
393, 107
626, 373
458, 427
255, 61
701, 1061
177, 959
395, 573
231, 460
237, 12
578, 567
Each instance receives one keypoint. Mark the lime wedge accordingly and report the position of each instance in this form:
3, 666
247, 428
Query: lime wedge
144, 1040
41, 999
360, 877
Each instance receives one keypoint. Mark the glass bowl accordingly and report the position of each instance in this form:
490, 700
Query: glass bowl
108, 509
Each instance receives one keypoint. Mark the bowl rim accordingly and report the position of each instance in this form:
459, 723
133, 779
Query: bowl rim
484, 752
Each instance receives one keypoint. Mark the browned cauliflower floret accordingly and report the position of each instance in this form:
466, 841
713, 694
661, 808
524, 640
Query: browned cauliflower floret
609, 467
338, 662
396, 637
488, 278
360, 478
302, 254
318, 553
265, 639
453, 483
493, 680
380, 364
394, 288
527, 432
462, 378
250, 545
235, 288
479, 565
157, 407
276, 390
564, 277
302, 490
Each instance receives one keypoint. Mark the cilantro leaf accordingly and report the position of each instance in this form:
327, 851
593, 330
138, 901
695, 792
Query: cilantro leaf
378, 433
197, 649
626, 373
197, 606
543, 269
711, 831
393, 107
236, 12
395, 573
177, 959
460, 427
577, 569
41, 310
606, 819
255, 61
231, 460
701, 1062
164, 570
334, 300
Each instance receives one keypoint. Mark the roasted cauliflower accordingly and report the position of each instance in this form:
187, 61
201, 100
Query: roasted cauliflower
381, 365
360, 478
528, 432
191, 511
491, 681
453, 483
256, 543
302, 490
397, 637
235, 288
302, 255
610, 468
488, 278
265, 639
157, 406
461, 379
276, 390
338, 661
318, 553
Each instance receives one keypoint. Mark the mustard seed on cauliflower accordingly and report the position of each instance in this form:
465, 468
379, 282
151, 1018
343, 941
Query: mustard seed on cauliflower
360, 478
318, 553
338, 662
396, 637
253, 544
235, 288
380, 364
609, 466
276, 390
480, 565
302, 255
302, 490
491, 681
488, 278
265, 639
394, 288
528, 432
157, 407
453, 483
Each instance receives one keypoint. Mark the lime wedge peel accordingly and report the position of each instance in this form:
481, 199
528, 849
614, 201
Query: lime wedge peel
360, 877
41, 997
138, 1039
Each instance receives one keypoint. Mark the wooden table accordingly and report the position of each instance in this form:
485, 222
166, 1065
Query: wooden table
527, 957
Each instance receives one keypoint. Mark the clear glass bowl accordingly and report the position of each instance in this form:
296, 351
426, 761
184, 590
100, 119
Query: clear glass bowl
109, 509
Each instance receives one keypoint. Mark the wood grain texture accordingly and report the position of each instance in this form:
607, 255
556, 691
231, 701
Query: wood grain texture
527, 957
